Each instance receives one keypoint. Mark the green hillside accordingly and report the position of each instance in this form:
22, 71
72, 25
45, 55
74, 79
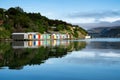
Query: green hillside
16, 20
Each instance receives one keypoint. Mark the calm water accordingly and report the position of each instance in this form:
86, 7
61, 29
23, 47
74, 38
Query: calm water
91, 59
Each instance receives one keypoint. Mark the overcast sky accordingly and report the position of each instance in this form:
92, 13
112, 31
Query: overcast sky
73, 11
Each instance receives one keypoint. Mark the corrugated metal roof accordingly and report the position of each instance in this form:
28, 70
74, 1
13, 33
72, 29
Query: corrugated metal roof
18, 33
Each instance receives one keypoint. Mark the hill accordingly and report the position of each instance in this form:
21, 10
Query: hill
88, 26
105, 32
16, 20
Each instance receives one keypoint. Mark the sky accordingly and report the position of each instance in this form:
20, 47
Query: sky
72, 11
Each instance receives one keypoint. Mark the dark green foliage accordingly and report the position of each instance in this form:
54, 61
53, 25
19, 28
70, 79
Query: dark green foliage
83, 31
60, 27
16, 20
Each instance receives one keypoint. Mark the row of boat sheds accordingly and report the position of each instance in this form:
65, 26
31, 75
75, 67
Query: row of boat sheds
38, 36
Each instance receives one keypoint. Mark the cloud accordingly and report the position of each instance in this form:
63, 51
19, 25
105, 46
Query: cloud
109, 19
80, 20
95, 14
93, 17
104, 23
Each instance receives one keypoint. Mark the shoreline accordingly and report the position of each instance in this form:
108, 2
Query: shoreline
41, 39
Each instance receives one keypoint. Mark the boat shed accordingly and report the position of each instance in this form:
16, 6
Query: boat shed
18, 36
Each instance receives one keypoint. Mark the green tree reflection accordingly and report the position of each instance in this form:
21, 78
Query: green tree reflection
17, 58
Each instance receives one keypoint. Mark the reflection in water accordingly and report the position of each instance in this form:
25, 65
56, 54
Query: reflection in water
96, 59
23, 53
104, 45
97, 52
37, 44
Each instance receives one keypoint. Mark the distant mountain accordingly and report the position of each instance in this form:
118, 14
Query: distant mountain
100, 24
105, 31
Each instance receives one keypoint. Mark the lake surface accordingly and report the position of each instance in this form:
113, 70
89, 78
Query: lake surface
90, 59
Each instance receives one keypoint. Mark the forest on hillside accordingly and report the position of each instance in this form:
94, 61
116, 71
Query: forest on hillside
16, 20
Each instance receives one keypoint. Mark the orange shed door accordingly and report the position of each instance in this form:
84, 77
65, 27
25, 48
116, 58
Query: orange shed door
30, 36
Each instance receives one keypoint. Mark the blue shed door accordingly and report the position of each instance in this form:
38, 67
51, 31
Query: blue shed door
34, 36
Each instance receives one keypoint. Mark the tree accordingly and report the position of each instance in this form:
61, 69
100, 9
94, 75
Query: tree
19, 9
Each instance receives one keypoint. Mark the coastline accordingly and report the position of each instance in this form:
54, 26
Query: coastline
41, 40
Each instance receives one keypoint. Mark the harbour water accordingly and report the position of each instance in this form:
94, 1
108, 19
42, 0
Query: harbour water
90, 59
